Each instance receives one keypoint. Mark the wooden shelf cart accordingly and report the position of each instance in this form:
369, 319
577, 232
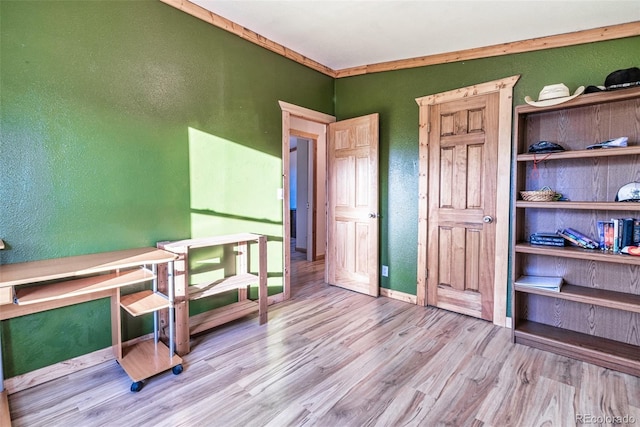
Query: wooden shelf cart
36, 286
186, 291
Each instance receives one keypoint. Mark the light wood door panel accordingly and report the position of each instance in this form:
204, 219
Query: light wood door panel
463, 176
352, 247
450, 125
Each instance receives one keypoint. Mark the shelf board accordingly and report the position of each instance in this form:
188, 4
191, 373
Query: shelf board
219, 316
71, 288
601, 206
589, 348
183, 246
146, 359
579, 154
219, 286
585, 295
144, 302
576, 253
82, 265
582, 101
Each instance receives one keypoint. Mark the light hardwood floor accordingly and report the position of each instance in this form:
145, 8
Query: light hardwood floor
331, 357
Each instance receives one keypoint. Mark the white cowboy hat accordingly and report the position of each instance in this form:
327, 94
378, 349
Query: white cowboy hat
553, 95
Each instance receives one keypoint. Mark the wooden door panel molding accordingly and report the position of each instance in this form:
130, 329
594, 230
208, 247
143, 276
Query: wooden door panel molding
468, 216
352, 197
461, 135
465, 303
452, 173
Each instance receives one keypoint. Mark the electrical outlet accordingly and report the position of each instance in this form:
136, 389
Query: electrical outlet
385, 271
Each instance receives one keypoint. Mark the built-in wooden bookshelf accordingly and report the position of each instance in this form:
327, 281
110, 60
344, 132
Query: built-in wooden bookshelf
596, 314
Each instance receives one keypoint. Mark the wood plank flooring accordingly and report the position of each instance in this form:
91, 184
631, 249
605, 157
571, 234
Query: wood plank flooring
331, 357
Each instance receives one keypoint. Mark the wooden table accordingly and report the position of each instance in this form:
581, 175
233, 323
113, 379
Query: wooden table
72, 280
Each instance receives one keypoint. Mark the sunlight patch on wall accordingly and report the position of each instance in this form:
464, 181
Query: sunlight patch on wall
233, 187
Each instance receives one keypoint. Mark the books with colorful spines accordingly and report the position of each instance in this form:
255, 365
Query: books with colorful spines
575, 239
548, 283
636, 232
601, 239
623, 233
571, 239
616, 235
592, 244
609, 236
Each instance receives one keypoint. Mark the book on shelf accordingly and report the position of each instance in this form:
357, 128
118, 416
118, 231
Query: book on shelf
626, 234
547, 239
601, 234
578, 239
606, 231
549, 283
618, 233
591, 243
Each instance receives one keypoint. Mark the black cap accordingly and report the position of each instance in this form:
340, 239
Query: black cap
592, 89
623, 78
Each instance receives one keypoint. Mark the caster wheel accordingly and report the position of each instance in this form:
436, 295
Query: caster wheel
176, 369
136, 387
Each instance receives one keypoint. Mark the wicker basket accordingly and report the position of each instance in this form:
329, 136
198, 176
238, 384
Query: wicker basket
543, 195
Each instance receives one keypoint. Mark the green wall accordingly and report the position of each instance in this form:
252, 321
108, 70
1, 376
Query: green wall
392, 94
124, 123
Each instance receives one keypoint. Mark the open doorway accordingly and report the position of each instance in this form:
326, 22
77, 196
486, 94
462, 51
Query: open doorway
301, 124
303, 195
348, 168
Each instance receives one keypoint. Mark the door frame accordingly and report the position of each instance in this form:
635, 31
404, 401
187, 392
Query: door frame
289, 110
505, 89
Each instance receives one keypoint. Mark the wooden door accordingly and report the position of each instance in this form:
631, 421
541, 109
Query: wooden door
352, 187
462, 204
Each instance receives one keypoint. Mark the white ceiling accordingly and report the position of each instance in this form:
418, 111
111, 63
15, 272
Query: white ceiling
349, 33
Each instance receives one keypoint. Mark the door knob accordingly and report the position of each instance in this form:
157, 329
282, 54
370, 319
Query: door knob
487, 219
374, 215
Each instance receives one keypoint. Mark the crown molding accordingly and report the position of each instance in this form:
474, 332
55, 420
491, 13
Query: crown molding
245, 33
612, 32
620, 31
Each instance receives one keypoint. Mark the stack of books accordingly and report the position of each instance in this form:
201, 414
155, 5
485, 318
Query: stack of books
618, 233
578, 239
546, 239
541, 282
